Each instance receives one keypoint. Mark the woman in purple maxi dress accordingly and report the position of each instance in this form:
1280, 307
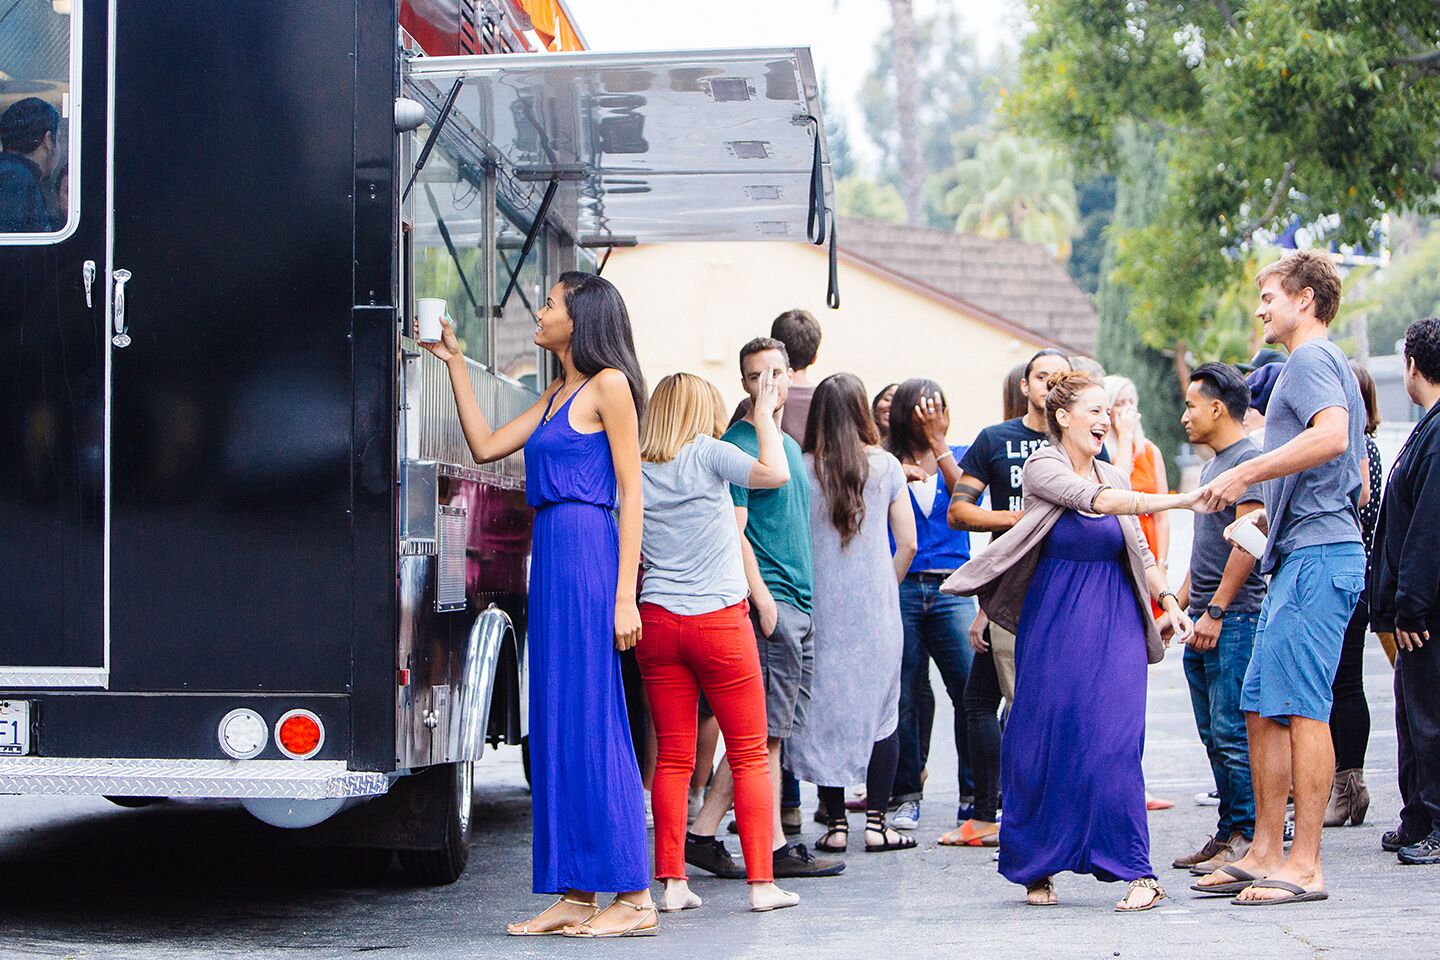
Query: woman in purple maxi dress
1070, 758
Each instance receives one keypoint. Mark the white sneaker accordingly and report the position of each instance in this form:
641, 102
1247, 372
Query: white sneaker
1211, 799
906, 816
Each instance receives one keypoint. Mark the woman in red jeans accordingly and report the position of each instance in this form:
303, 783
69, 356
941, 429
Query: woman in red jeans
695, 629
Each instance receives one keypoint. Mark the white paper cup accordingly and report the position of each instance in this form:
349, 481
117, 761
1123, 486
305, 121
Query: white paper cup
1248, 537
429, 310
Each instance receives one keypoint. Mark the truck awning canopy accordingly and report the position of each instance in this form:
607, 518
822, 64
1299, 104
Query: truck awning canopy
661, 147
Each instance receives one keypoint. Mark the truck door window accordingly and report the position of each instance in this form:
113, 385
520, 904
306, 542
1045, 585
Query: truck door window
39, 99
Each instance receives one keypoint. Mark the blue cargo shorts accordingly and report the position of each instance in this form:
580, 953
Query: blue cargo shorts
1302, 627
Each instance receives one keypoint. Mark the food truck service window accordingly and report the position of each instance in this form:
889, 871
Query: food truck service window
39, 110
448, 243
516, 355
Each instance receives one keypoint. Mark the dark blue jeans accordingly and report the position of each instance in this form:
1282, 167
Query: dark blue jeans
937, 628
1215, 678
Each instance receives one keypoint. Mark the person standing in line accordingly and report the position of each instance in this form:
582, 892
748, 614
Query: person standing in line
880, 410
1350, 714
1073, 579
1404, 597
1013, 402
1314, 555
858, 500
936, 625
582, 462
1223, 593
779, 572
800, 332
1140, 459
29, 154
696, 632
995, 462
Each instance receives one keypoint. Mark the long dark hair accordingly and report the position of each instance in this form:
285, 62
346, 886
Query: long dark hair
884, 427
905, 438
602, 337
837, 432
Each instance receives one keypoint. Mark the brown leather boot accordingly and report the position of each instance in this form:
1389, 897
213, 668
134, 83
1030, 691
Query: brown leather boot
1349, 799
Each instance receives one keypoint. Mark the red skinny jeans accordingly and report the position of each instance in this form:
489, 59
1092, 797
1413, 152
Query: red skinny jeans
679, 656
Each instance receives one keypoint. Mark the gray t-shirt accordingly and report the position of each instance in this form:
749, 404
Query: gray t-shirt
690, 546
1211, 551
1319, 505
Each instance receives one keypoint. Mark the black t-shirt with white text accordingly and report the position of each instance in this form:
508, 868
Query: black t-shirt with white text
997, 459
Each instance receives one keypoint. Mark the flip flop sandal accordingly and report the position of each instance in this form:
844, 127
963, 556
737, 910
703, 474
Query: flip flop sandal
901, 842
1145, 883
525, 930
1047, 886
1243, 879
970, 837
584, 931
1298, 894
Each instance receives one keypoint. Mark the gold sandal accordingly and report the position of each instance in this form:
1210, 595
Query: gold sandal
586, 932
525, 930
1144, 883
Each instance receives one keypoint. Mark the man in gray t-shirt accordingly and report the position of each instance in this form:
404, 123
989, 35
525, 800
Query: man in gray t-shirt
1314, 462
1224, 592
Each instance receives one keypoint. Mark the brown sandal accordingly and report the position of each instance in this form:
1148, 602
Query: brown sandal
1046, 886
1144, 883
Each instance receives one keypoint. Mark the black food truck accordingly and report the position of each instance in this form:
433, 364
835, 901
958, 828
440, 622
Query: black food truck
244, 551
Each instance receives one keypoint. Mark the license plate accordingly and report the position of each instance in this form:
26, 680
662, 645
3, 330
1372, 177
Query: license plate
14, 728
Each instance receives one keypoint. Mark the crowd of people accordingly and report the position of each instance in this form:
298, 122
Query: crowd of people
788, 576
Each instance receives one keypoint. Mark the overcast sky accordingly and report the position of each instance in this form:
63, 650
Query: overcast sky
840, 33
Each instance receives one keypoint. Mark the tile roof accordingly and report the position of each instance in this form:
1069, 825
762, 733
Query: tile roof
1017, 281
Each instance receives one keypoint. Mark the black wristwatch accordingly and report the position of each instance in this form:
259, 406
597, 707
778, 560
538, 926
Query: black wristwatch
1215, 611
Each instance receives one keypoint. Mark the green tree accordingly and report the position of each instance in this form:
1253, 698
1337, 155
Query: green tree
958, 91
1095, 201
1409, 290
1272, 111
1014, 187
857, 196
1139, 193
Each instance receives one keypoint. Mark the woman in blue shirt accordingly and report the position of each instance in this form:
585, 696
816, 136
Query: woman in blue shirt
936, 625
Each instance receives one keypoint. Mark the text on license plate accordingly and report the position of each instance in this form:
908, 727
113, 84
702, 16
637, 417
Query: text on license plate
14, 728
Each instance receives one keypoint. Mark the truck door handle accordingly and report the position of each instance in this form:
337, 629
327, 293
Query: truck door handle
121, 338
88, 273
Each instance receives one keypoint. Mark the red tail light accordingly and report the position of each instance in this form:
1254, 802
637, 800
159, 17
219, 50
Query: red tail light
299, 734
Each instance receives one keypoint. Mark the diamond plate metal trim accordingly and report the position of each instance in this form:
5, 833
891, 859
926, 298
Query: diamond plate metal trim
231, 779
25, 678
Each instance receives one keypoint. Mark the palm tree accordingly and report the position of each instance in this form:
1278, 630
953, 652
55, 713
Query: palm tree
1013, 187
907, 109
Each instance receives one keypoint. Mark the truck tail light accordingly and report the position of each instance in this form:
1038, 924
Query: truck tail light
242, 734
299, 734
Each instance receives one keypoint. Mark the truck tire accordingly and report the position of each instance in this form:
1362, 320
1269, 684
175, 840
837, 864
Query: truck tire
433, 868
525, 757
135, 803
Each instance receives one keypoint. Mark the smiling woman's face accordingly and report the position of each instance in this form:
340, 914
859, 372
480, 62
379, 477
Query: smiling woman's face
1087, 421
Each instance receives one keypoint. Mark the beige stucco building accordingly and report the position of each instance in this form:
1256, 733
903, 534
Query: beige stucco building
694, 305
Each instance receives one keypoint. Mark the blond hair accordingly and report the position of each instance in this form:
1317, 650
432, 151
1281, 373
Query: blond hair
682, 407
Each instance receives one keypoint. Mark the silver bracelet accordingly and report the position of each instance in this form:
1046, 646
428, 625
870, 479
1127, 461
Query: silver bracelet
942, 456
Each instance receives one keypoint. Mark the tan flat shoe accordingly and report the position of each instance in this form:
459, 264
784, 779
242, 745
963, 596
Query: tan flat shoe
639, 928
524, 928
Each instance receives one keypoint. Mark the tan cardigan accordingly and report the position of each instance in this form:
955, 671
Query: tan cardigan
999, 575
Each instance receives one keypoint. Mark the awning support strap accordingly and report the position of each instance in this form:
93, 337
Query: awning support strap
815, 221
536, 226
439, 125
832, 295
604, 260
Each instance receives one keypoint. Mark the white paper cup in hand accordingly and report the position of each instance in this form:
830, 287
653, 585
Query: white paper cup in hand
429, 310
1247, 536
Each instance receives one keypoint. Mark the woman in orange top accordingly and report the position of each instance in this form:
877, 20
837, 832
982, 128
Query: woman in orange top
1133, 454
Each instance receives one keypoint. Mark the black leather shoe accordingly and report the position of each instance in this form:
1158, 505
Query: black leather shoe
1392, 840
795, 860
712, 856
1426, 852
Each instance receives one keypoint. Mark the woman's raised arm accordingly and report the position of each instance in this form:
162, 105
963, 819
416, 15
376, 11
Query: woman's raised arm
487, 444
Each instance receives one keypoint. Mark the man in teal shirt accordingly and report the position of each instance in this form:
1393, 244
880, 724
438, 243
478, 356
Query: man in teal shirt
776, 550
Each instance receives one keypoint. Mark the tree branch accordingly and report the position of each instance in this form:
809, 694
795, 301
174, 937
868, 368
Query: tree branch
1281, 189
1224, 9
1422, 62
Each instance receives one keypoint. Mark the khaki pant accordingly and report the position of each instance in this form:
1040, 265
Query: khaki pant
1002, 648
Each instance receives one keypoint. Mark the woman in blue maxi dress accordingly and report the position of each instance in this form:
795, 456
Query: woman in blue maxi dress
582, 471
